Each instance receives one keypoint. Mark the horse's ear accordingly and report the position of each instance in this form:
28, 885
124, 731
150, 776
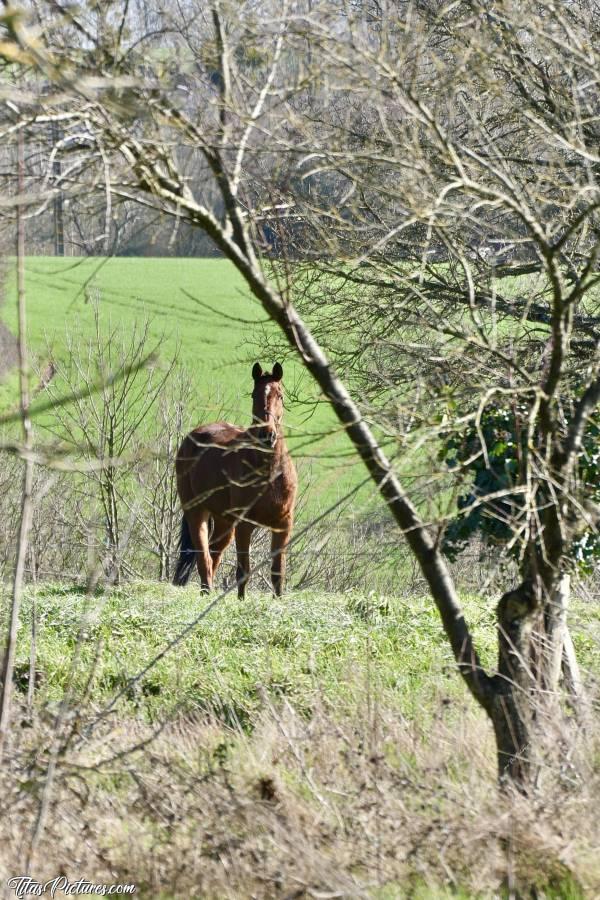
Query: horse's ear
256, 371
277, 372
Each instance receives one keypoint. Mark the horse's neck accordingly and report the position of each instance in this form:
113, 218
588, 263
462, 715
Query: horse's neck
280, 451
274, 460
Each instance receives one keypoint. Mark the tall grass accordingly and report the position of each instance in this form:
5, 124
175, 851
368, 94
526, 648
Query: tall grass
320, 745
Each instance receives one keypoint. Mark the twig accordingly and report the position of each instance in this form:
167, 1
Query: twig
26, 497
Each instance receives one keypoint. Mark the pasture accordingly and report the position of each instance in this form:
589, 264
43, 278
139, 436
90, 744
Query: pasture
411, 713
199, 310
318, 745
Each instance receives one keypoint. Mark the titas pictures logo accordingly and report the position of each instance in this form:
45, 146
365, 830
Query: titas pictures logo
25, 886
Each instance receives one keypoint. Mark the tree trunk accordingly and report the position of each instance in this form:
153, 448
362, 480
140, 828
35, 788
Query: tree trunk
556, 630
510, 707
571, 674
514, 740
563, 660
534, 647
111, 511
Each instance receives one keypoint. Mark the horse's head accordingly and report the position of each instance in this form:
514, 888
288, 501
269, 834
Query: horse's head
267, 403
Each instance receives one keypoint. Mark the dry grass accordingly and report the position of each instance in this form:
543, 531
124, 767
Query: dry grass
321, 806
319, 746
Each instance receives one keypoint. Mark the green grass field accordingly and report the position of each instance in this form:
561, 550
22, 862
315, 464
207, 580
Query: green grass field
200, 309
318, 745
300, 646
321, 740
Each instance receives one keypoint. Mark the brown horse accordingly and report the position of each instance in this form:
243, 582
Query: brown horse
230, 480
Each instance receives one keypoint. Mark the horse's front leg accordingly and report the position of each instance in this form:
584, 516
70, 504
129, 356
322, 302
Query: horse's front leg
279, 542
198, 521
243, 535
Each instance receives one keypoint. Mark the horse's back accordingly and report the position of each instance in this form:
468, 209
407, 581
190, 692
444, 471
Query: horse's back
203, 463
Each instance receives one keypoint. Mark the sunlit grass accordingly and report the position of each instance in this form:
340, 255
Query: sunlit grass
307, 646
201, 311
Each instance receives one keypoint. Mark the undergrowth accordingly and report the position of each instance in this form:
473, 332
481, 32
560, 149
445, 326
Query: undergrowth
313, 746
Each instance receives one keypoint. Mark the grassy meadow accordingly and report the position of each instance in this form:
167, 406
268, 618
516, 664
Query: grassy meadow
315, 746
320, 745
199, 310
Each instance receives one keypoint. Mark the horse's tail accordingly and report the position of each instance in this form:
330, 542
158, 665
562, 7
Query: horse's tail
187, 555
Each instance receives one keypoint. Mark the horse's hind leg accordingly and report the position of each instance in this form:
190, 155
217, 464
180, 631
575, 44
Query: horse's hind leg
199, 522
279, 541
243, 534
220, 540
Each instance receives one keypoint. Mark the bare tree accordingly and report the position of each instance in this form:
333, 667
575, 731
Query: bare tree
114, 382
428, 176
8, 660
160, 515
